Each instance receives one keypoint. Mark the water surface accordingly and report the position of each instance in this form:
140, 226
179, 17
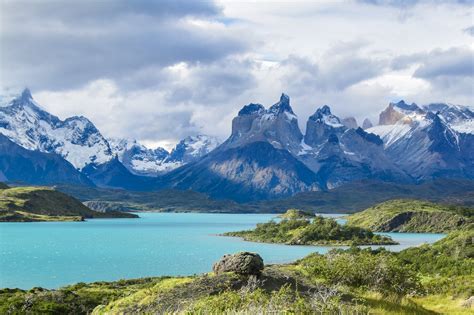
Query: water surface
53, 254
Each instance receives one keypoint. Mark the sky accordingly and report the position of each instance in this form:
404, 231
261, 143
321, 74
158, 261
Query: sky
158, 71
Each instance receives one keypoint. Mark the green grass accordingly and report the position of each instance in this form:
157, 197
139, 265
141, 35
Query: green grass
318, 231
405, 215
20, 204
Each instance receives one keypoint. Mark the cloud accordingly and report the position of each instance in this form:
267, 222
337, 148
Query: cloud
469, 30
49, 44
158, 71
454, 62
340, 67
411, 3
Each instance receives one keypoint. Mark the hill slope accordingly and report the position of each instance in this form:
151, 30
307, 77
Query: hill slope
20, 204
412, 216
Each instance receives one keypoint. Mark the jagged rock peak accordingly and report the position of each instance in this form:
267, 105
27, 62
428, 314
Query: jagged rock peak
367, 124
403, 105
324, 115
350, 122
251, 109
282, 106
321, 112
26, 95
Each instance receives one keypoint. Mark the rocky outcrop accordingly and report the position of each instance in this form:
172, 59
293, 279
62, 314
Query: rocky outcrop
321, 125
367, 124
469, 303
277, 125
350, 122
390, 116
243, 263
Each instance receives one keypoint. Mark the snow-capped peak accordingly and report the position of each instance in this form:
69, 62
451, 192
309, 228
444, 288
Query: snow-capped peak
401, 105
192, 147
251, 109
282, 106
324, 115
76, 139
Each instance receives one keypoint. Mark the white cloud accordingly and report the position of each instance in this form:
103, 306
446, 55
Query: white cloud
158, 74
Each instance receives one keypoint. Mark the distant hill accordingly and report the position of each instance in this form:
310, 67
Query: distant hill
345, 199
360, 195
46, 204
413, 216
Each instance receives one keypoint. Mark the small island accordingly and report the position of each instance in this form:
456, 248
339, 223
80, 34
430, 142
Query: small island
316, 231
36, 204
296, 214
413, 216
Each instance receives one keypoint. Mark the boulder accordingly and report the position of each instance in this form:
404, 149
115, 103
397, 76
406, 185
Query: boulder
243, 263
469, 303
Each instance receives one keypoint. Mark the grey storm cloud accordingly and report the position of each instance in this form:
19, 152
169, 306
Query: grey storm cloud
454, 62
49, 45
335, 73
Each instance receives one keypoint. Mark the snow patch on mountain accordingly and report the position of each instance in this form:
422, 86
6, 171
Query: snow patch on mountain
192, 148
76, 139
390, 133
464, 126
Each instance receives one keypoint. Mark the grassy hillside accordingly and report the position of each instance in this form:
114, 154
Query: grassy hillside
318, 231
20, 204
345, 199
431, 279
404, 215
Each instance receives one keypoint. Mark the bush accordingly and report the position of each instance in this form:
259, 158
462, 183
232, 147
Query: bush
378, 271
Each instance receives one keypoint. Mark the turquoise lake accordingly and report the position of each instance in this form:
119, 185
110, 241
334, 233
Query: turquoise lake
54, 254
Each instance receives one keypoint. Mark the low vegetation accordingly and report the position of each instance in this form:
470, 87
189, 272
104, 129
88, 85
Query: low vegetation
295, 230
30, 204
292, 214
405, 215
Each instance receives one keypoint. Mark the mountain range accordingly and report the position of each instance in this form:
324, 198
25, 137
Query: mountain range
265, 157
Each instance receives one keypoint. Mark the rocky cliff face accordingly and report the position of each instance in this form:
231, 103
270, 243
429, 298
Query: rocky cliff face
399, 112
339, 154
277, 126
424, 142
253, 171
321, 125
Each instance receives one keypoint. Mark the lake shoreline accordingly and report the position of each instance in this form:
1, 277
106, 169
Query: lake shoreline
54, 254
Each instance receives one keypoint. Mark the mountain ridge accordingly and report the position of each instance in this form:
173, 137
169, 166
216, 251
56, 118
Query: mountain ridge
265, 157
